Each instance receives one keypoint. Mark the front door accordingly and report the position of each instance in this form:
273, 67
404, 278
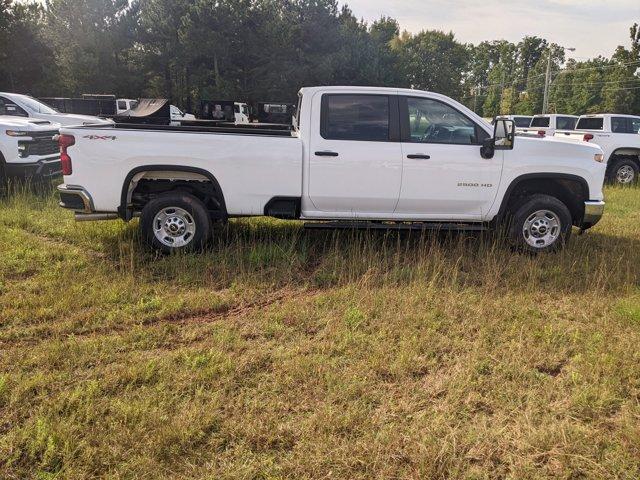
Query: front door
444, 177
355, 157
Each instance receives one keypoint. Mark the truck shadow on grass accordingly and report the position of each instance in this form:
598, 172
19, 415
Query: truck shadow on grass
280, 254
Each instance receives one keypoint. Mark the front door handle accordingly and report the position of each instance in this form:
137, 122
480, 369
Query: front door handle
326, 154
418, 156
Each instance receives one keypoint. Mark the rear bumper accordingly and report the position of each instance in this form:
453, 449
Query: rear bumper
79, 200
593, 211
43, 169
75, 198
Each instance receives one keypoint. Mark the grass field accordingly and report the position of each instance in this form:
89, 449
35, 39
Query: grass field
289, 354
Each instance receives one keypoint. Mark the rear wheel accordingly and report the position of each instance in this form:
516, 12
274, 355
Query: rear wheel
624, 172
175, 222
540, 224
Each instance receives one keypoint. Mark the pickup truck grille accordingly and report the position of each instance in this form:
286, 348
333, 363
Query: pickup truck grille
42, 144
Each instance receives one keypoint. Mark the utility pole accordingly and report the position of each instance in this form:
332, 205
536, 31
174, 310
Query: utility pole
547, 81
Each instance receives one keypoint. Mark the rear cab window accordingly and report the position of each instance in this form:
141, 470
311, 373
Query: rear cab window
355, 117
541, 122
522, 122
566, 123
590, 123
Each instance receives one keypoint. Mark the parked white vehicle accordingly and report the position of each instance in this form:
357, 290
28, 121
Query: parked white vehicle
178, 116
356, 155
521, 121
124, 104
28, 148
241, 113
19, 105
546, 125
619, 138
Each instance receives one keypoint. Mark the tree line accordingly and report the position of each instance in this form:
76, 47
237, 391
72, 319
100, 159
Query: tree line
265, 50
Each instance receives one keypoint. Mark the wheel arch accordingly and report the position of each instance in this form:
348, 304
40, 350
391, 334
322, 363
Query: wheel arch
626, 151
573, 190
126, 213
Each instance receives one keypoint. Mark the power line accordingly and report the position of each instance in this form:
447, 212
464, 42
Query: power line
561, 72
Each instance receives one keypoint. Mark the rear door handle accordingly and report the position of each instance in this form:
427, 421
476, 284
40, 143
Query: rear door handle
326, 154
418, 156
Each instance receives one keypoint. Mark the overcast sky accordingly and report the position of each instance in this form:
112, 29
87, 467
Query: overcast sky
593, 27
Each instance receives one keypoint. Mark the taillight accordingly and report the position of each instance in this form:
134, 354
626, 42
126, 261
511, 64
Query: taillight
65, 141
541, 133
587, 137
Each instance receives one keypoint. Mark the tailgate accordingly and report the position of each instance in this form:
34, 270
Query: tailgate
573, 135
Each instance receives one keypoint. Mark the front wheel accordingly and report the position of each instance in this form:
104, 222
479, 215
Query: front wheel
175, 222
624, 172
540, 224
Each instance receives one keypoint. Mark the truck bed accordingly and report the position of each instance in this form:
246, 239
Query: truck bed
245, 129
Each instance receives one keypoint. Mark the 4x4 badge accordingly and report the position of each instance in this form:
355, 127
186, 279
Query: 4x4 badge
100, 137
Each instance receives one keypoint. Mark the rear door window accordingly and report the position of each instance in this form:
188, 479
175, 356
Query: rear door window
542, 122
590, 123
566, 123
355, 117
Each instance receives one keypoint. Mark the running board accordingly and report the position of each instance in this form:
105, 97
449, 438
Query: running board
347, 225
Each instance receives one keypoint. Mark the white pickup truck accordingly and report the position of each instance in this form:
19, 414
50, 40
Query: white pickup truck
619, 138
356, 156
19, 105
28, 149
546, 125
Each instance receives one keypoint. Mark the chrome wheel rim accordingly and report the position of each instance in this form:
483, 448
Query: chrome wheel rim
174, 227
541, 228
625, 174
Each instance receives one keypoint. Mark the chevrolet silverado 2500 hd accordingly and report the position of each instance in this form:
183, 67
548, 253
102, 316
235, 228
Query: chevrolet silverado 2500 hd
25, 106
619, 138
354, 154
28, 149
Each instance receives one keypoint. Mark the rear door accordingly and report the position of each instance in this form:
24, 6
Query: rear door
355, 165
444, 176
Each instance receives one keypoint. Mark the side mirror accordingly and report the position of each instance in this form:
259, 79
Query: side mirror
504, 134
487, 150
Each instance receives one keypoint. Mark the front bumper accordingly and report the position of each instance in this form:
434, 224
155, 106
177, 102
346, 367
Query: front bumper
593, 211
43, 169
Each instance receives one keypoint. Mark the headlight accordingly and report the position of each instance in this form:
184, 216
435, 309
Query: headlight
599, 157
16, 133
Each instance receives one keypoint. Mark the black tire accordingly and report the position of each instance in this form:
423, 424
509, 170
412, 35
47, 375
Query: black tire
4, 180
624, 172
543, 232
183, 212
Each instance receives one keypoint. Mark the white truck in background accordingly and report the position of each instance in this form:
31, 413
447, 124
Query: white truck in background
521, 121
356, 157
19, 105
619, 138
546, 125
28, 149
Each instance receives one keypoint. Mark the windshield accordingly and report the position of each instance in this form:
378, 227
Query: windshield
35, 106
